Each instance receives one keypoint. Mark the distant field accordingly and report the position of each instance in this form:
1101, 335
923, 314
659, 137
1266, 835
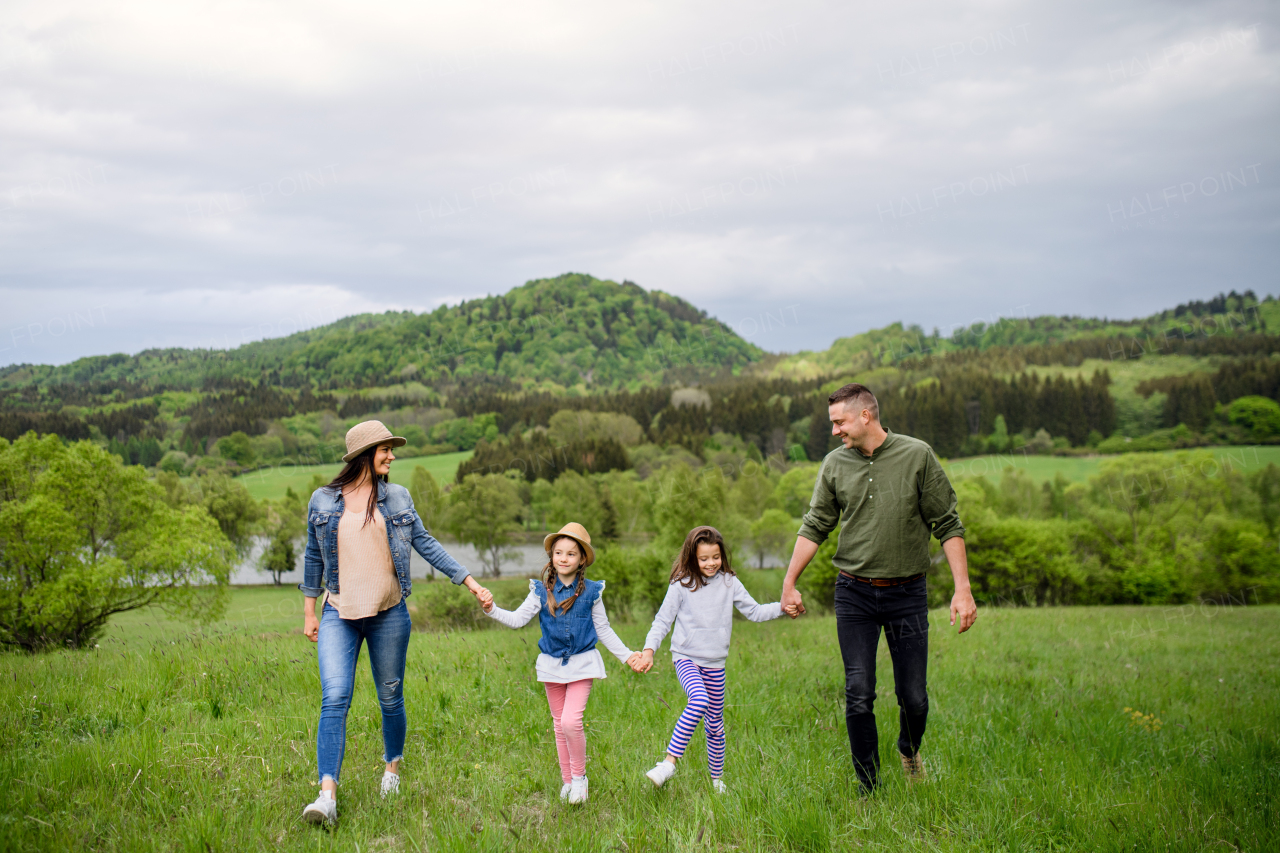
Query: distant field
1050, 729
272, 482
1077, 469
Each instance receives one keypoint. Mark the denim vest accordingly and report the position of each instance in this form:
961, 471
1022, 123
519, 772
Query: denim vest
570, 633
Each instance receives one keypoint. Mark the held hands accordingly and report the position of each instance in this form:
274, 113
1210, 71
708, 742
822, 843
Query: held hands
641, 661
792, 602
482, 595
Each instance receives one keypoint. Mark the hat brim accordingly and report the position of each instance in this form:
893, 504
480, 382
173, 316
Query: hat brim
394, 441
586, 549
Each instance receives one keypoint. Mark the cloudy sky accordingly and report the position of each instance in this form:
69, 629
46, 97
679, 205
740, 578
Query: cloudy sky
203, 174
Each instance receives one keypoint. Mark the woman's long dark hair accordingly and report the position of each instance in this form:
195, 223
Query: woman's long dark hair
685, 568
549, 580
355, 471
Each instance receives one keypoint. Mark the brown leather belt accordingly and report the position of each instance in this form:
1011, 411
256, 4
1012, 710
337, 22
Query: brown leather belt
882, 581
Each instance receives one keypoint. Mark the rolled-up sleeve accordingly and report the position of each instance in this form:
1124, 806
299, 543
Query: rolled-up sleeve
824, 510
312, 563
938, 502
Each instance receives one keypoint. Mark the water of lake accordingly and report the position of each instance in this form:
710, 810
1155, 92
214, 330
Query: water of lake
525, 560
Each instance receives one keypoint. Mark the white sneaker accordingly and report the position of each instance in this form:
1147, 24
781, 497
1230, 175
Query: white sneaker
719, 786
578, 790
323, 810
661, 773
390, 784
565, 789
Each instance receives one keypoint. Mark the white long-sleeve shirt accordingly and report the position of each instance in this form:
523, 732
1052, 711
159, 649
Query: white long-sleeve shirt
704, 619
588, 664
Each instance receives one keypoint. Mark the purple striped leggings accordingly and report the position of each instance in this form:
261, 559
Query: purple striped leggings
705, 689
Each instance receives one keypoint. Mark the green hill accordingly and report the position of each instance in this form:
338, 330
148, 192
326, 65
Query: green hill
484, 373
1224, 315
560, 333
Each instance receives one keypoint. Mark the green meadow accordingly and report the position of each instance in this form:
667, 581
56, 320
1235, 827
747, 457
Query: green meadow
1077, 469
272, 482
1105, 729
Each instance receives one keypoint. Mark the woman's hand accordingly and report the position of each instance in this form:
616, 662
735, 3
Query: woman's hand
310, 624
482, 595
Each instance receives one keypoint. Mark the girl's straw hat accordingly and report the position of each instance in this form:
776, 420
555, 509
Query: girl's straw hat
368, 434
579, 534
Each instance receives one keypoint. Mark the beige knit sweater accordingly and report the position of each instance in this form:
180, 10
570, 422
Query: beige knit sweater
365, 571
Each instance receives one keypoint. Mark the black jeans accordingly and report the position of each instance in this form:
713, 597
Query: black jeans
903, 611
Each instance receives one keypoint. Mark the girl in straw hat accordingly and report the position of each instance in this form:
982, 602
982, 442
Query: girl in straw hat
360, 529
572, 617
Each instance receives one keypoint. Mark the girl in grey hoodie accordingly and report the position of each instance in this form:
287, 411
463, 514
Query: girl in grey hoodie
700, 601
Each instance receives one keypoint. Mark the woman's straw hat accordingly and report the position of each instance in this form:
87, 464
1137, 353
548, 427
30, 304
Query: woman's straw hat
368, 434
576, 532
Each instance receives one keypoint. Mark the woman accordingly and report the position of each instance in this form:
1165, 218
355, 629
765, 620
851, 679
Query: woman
360, 529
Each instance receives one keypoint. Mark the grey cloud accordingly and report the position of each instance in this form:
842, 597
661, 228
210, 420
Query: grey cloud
202, 172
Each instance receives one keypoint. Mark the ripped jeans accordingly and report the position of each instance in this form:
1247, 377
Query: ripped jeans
387, 634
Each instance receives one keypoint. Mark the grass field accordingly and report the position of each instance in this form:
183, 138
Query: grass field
272, 482
170, 739
1077, 469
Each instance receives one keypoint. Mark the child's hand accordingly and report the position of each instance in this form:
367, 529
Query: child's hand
641, 661
485, 598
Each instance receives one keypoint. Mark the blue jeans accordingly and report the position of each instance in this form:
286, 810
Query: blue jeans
387, 634
862, 610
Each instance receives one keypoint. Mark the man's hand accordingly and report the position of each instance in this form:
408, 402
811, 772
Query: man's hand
792, 602
963, 606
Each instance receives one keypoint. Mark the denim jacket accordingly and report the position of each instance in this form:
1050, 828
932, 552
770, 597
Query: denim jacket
569, 633
404, 531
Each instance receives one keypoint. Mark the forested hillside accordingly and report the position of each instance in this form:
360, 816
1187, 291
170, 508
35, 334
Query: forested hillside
491, 374
640, 416
569, 331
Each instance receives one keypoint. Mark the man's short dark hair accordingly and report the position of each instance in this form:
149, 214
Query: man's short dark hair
856, 395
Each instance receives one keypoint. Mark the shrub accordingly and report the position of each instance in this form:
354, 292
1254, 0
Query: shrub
636, 579
82, 537
818, 583
238, 448
174, 462
1259, 415
447, 606
1022, 561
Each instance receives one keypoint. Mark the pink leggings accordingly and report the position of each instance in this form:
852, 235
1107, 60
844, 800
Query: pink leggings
568, 702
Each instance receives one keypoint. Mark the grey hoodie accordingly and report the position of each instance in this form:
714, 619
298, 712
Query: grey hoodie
704, 619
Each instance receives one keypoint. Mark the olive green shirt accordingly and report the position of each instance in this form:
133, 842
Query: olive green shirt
886, 504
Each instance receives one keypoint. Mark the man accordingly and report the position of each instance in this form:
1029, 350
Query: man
888, 493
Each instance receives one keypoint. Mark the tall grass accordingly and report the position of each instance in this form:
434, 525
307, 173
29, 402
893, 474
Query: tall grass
166, 738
